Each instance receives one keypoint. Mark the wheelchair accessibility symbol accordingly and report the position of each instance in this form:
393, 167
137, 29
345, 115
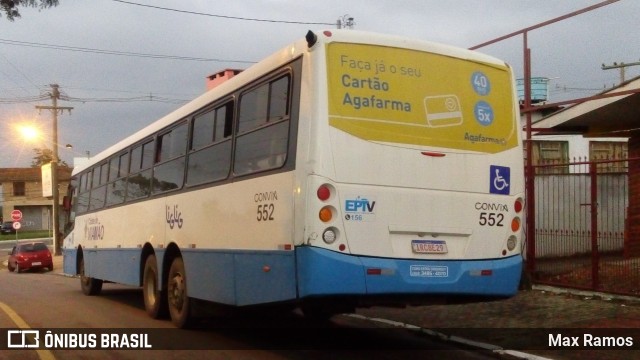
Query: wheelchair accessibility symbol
500, 178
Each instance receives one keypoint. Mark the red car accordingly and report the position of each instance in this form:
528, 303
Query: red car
34, 255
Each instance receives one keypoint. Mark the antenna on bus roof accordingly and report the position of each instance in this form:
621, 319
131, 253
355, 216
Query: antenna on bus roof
346, 22
311, 39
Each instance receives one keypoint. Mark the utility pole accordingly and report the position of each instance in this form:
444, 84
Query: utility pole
620, 66
55, 95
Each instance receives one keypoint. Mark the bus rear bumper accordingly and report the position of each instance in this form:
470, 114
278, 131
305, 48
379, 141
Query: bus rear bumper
323, 272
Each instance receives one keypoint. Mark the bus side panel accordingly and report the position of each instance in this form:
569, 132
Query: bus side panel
265, 277
69, 261
117, 265
322, 272
241, 278
210, 275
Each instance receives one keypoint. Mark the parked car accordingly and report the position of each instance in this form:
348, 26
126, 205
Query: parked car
7, 228
33, 255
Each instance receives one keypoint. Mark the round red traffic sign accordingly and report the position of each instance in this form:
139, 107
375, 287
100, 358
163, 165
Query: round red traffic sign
17, 225
16, 215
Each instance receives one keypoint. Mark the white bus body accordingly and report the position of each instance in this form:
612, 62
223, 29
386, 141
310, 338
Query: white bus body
348, 169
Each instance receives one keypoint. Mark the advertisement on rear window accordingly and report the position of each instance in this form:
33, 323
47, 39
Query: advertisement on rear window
417, 98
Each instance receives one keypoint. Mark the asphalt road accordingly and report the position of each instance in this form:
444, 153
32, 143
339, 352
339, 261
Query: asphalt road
42, 301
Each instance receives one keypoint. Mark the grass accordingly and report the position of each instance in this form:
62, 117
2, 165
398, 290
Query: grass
22, 235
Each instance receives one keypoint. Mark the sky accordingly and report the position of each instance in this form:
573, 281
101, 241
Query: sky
116, 87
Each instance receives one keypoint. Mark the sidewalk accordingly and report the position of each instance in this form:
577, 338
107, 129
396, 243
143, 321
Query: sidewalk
512, 323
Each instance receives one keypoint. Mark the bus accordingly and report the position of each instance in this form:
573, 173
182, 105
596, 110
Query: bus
349, 169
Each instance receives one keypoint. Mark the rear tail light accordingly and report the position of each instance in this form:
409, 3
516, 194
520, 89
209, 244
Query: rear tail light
518, 205
328, 214
324, 192
325, 214
515, 224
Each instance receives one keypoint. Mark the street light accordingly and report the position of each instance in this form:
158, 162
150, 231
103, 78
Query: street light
29, 132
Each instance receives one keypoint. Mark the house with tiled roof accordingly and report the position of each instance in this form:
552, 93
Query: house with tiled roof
22, 190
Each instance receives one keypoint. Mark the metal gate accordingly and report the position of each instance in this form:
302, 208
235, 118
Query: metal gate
580, 227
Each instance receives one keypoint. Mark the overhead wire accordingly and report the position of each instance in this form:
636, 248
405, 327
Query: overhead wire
116, 52
151, 97
224, 16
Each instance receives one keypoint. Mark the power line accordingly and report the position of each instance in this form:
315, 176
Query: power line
139, 92
23, 99
115, 52
19, 72
145, 98
225, 16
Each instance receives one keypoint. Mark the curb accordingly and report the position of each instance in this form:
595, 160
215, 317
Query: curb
454, 339
585, 293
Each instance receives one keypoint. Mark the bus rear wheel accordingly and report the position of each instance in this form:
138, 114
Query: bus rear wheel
89, 285
178, 301
155, 301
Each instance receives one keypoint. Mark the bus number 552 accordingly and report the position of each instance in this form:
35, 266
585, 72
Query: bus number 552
491, 219
265, 212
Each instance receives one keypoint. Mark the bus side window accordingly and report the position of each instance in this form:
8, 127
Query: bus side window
117, 188
168, 174
253, 109
82, 200
99, 189
262, 143
210, 158
139, 180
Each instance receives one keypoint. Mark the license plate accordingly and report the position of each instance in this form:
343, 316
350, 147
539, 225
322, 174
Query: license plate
36, 263
429, 246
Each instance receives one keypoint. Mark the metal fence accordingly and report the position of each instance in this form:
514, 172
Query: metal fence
579, 239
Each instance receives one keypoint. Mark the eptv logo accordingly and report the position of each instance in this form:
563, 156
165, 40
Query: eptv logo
360, 209
359, 205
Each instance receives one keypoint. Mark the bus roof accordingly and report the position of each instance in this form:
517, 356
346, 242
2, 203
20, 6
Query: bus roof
282, 56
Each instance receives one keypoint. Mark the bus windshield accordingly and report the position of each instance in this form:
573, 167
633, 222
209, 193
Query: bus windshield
417, 98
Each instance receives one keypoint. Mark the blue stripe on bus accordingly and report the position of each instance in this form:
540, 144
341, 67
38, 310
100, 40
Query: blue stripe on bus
257, 277
232, 277
323, 272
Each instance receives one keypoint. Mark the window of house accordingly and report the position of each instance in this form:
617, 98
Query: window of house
608, 155
553, 155
19, 188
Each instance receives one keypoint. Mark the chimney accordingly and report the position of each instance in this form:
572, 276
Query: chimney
218, 78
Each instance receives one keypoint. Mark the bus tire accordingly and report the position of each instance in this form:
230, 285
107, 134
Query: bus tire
178, 301
89, 285
155, 301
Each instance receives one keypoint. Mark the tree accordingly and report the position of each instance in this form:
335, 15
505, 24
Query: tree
44, 156
10, 7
